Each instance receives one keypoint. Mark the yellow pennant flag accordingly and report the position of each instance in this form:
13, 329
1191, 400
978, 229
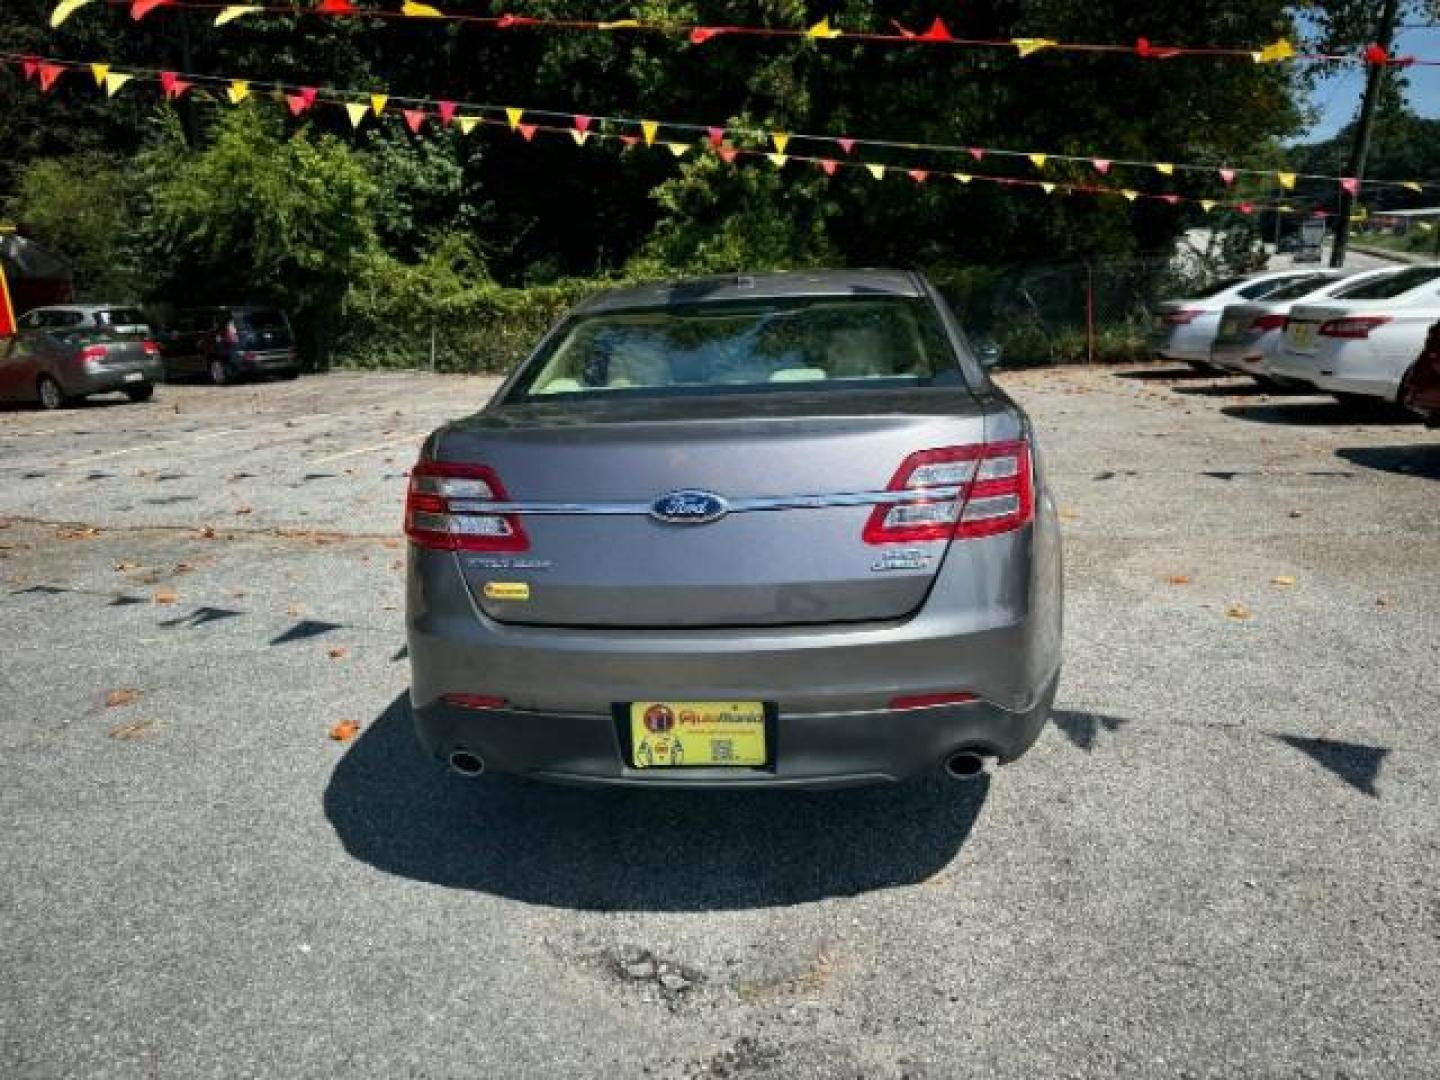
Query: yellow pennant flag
99, 71
514, 116
964, 178
419, 11
649, 127
1207, 205
1028, 46
1275, 51
778, 160
877, 171
1413, 185
822, 29
580, 137
357, 111
467, 123
1038, 160
378, 102
1164, 168
1130, 194
1287, 180
238, 91
1285, 208
1049, 188
64, 10
114, 80
677, 148
619, 24
235, 11
781, 140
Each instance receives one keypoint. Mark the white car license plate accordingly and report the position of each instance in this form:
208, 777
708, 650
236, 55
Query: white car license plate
133, 376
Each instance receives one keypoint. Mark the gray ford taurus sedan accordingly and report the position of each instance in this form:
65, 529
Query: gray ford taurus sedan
778, 530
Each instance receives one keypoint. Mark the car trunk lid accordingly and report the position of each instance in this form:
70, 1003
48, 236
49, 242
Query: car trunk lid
791, 482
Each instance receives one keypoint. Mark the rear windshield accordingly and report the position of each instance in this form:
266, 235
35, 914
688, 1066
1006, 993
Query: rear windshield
120, 316
1267, 289
1304, 287
261, 320
755, 346
1394, 285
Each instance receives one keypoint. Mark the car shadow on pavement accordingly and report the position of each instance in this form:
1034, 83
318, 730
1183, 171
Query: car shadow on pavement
630, 850
1415, 460
1165, 374
1315, 412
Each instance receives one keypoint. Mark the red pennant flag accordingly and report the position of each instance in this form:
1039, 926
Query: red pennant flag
846, 144
827, 166
1228, 175
630, 140
30, 66
938, 32
414, 118
447, 112
1171, 199
728, 153
1374, 54
1102, 165
1320, 213
977, 153
716, 135
527, 131
1151, 52
918, 175
173, 85
48, 74
582, 122
505, 22
1351, 184
300, 102
1246, 208
140, 8
336, 7
901, 30
702, 34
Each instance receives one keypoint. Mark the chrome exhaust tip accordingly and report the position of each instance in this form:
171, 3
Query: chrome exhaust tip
466, 763
966, 765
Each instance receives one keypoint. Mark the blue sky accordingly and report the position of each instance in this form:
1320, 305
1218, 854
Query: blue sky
1338, 97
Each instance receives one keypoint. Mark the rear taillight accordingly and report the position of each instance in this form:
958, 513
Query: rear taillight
446, 508
151, 349
93, 352
959, 491
1358, 326
929, 701
474, 701
1268, 322
1181, 317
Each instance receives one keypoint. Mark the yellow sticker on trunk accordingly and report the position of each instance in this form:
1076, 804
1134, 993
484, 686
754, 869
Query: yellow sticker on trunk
507, 590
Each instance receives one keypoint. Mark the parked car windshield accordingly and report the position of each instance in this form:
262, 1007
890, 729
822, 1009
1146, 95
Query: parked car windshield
1267, 289
811, 344
1394, 285
1304, 287
120, 316
262, 319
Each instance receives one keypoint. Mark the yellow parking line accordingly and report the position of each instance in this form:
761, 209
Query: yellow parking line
368, 449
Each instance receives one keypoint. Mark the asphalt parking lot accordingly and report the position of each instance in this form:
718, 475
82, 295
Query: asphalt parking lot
1222, 859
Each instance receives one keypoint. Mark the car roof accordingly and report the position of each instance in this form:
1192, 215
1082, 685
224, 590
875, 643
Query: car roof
767, 286
87, 308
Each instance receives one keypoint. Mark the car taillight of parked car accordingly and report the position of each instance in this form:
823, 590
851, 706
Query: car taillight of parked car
447, 507
1268, 322
1358, 326
92, 352
151, 349
978, 491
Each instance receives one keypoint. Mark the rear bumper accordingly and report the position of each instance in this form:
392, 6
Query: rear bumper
258, 362
812, 750
79, 380
1246, 357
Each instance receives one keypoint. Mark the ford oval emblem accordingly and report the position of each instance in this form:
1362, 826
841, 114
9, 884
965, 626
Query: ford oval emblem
689, 508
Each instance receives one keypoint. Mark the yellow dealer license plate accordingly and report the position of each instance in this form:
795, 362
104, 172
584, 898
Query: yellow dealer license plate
1304, 335
670, 734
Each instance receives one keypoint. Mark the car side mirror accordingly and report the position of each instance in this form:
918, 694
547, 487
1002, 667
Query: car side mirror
987, 351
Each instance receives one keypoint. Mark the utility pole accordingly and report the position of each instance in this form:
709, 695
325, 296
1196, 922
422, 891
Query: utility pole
1360, 150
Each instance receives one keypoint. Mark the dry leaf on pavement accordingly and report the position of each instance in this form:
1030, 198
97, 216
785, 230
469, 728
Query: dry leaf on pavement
1282, 580
344, 731
126, 732
123, 696
337, 651
1238, 611
166, 596
242, 510
1178, 579
207, 532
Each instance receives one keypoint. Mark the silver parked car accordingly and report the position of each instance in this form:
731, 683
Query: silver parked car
56, 366
745, 531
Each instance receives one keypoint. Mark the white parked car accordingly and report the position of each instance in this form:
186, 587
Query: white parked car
1185, 329
1361, 345
1252, 332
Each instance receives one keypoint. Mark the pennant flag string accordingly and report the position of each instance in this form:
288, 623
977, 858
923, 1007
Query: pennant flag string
300, 98
1279, 51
